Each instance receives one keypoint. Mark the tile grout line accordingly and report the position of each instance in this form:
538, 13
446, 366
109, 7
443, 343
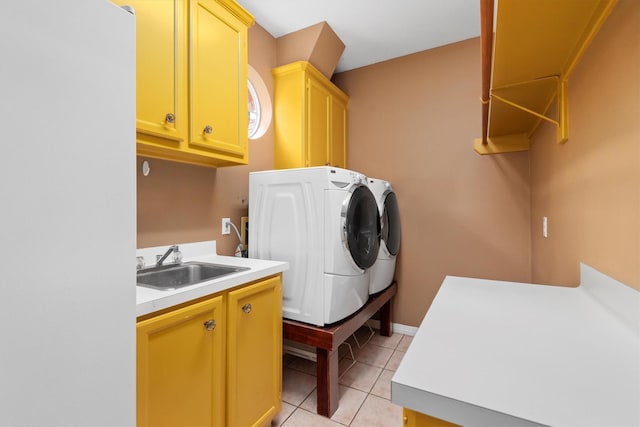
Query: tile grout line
393, 349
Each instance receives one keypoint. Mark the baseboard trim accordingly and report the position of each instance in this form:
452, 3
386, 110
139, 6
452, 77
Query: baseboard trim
404, 329
396, 327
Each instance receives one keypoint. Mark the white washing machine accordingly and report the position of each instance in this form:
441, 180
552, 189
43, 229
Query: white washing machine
324, 222
382, 272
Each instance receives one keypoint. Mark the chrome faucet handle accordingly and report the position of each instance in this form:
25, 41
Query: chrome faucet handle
177, 256
140, 262
160, 258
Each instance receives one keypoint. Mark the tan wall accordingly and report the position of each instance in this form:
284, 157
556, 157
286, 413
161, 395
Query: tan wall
412, 121
589, 188
179, 203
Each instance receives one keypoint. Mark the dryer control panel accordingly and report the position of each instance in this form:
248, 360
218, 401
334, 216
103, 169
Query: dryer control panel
343, 177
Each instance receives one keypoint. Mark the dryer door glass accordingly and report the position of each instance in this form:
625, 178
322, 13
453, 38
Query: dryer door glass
363, 227
391, 224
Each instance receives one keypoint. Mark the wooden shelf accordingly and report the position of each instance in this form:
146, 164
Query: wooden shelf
537, 44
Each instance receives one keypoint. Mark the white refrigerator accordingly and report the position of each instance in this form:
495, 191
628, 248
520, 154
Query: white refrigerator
67, 214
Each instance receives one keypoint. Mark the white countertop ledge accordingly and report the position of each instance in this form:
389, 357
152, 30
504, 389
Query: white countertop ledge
491, 353
150, 300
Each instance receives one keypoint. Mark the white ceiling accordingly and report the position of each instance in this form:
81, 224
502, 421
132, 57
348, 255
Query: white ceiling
373, 30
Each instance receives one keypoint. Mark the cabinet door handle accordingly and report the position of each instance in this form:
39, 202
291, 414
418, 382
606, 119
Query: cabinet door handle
210, 325
246, 308
170, 118
208, 130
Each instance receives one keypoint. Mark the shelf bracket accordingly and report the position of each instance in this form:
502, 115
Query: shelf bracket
563, 112
561, 97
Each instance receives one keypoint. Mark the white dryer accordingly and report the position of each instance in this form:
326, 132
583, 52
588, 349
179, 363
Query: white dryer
381, 273
324, 222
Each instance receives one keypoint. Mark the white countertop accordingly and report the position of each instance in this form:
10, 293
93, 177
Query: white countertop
502, 353
149, 300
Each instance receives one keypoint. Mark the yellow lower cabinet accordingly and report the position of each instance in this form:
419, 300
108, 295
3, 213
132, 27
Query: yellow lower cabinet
180, 366
215, 363
417, 419
254, 353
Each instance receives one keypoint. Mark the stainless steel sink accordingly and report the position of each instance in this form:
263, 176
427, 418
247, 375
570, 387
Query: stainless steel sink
174, 276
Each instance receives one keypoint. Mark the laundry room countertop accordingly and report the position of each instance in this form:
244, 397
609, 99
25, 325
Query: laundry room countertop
504, 353
150, 300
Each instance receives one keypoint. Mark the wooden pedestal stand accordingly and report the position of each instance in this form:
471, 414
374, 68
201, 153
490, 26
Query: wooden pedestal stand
328, 339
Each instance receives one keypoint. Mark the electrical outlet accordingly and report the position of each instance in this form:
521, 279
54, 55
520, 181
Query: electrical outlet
226, 225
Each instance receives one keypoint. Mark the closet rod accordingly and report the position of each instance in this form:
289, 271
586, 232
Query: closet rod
486, 41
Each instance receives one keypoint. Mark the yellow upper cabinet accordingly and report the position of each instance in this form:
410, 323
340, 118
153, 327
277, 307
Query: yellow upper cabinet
310, 118
192, 80
161, 64
218, 80
338, 147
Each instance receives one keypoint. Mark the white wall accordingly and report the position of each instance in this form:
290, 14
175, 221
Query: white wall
67, 191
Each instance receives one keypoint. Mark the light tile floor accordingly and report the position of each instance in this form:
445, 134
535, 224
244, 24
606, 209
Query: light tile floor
365, 386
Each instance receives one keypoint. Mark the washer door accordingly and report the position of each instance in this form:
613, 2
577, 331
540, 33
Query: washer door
361, 227
390, 219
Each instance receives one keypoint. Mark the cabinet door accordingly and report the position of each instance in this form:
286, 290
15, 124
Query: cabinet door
338, 154
180, 367
416, 419
254, 386
318, 104
218, 80
288, 120
160, 33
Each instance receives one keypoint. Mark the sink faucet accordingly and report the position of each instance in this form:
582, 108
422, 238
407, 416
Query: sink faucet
176, 255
